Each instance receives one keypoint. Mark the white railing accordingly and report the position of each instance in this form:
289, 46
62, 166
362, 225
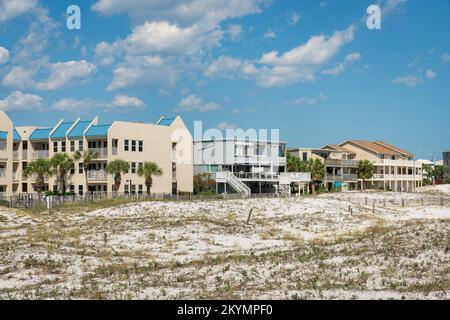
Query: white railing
344, 163
295, 177
97, 175
16, 155
398, 163
38, 154
101, 152
350, 177
231, 179
266, 160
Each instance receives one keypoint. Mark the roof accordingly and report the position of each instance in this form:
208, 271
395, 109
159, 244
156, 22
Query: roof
338, 148
61, 131
78, 130
98, 131
374, 147
40, 134
16, 135
3, 135
165, 122
394, 148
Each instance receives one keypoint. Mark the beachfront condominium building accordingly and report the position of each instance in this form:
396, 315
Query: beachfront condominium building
246, 166
167, 143
394, 168
446, 158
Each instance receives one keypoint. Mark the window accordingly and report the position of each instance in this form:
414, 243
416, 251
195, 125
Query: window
126, 188
72, 188
140, 165
133, 145
126, 145
80, 189
80, 168
140, 189
80, 145
141, 146
55, 188
133, 188
55, 146
72, 146
72, 168
133, 167
63, 146
305, 156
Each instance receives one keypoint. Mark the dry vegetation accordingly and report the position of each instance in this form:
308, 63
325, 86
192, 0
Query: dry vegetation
295, 248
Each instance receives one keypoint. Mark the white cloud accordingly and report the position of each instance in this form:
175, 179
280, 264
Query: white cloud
69, 104
58, 75
235, 32
446, 58
127, 102
341, 67
185, 12
270, 34
410, 80
18, 101
224, 66
226, 125
307, 101
294, 17
4, 55
391, 6
194, 103
10, 9
429, 74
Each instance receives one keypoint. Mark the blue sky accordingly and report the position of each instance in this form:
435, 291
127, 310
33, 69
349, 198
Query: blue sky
310, 68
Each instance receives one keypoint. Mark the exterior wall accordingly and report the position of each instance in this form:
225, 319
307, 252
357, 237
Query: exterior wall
165, 145
361, 154
446, 157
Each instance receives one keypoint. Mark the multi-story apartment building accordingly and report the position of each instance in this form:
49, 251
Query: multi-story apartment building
245, 166
168, 143
446, 158
394, 168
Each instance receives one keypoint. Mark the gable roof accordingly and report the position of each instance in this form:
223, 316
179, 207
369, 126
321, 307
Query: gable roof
373, 147
61, 131
78, 130
98, 131
40, 134
394, 148
337, 148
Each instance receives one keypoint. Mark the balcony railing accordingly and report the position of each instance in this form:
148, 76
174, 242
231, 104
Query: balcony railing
101, 152
16, 155
344, 163
97, 175
37, 154
350, 177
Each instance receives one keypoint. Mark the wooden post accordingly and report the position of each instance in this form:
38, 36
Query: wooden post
249, 216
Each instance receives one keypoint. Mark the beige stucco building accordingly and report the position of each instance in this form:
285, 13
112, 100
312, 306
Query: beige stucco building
168, 143
394, 168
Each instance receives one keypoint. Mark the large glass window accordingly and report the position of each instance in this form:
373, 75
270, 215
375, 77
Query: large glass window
55, 146
72, 146
126, 145
141, 146
80, 145
133, 145
63, 146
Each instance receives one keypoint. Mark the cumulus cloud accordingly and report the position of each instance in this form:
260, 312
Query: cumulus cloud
18, 101
299, 64
409, 81
234, 32
11, 9
58, 75
446, 58
306, 101
4, 55
294, 17
194, 103
270, 34
341, 67
127, 102
68, 104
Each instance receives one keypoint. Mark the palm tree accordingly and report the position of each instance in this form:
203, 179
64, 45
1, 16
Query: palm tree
40, 168
148, 170
62, 163
86, 157
117, 168
318, 171
294, 164
365, 171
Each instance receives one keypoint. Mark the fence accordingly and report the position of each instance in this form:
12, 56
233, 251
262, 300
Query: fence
33, 201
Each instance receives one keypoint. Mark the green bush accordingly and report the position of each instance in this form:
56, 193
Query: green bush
4, 203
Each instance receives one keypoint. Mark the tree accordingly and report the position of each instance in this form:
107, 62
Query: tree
318, 171
365, 171
117, 168
148, 170
62, 163
86, 158
204, 183
294, 164
438, 173
40, 168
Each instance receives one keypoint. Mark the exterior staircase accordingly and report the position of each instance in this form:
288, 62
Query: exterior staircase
234, 182
285, 189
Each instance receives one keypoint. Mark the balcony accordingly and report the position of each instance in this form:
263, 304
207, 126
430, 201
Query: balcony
97, 175
16, 155
101, 152
350, 177
331, 177
341, 163
38, 154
